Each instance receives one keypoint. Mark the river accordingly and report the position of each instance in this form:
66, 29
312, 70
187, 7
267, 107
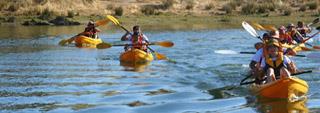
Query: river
203, 74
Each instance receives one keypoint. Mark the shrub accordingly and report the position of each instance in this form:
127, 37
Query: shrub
13, 8
46, 14
227, 9
287, 11
189, 6
209, 6
110, 7
148, 10
166, 4
71, 14
118, 11
312, 5
303, 8
11, 19
249, 8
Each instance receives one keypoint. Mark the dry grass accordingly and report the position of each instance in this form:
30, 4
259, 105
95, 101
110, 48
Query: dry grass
196, 7
36, 7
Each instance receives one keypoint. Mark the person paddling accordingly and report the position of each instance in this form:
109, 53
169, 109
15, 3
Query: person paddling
303, 29
138, 39
256, 60
91, 30
284, 37
293, 32
275, 64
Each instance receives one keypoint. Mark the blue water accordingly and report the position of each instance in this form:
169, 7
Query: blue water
38, 75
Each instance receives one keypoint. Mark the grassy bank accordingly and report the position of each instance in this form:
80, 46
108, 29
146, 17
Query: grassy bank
171, 22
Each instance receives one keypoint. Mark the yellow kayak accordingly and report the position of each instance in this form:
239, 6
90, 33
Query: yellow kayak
301, 47
135, 57
83, 41
286, 88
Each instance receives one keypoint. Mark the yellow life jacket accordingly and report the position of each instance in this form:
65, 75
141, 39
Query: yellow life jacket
274, 64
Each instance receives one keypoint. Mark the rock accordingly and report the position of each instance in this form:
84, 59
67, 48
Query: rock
61, 20
35, 22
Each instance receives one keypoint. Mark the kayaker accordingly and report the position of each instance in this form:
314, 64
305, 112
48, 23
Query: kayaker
91, 30
303, 29
258, 45
256, 60
138, 39
295, 35
275, 64
284, 37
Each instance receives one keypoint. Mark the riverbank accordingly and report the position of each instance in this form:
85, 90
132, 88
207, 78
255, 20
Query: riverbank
181, 22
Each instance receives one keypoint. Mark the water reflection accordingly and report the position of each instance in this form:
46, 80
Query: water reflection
134, 66
267, 105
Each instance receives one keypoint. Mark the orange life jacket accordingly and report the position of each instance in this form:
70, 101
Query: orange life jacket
137, 41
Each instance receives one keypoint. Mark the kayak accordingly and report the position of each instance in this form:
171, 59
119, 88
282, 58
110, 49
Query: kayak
84, 41
283, 88
135, 57
301, 47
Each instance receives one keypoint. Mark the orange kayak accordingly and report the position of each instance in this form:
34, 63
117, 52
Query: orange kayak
282, 88
135, 57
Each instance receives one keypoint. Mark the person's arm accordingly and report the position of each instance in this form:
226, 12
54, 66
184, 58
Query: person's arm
145, 38
125, 37
291, 65
97, 29
252, 64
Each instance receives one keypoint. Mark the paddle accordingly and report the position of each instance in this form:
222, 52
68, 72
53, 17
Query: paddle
105, 45
256, 25
116, 22
255, 53
97, 23
250, 30
254, 81
314, 21
318, 28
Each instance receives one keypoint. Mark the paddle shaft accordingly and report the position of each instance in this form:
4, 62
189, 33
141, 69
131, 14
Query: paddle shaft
304, 41
255, 53
254, 81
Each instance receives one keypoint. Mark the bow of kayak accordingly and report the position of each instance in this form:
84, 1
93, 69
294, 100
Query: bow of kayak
135, 57
282, 88
84, 41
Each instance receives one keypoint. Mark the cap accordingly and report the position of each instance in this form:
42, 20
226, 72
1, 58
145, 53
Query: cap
273, 42
274, 34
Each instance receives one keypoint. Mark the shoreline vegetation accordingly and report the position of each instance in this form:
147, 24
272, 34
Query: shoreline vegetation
196, 14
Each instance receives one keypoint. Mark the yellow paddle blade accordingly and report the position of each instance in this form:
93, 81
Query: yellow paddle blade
104, 45
165, 44
63, 42
113, 20
256, 25
102, 22
66, 41
269, 27
160, 56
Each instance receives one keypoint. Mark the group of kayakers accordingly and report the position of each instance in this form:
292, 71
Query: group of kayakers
137, 40
271, 61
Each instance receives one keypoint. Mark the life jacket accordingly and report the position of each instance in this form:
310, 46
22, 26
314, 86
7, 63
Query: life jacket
276, 65
303, 31
286, 38
137, 41
295, 36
